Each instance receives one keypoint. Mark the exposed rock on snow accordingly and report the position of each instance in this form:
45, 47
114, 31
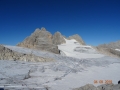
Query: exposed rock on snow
8, 54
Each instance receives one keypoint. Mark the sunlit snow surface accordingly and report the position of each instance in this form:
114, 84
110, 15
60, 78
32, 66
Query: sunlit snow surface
63, 74
73, 49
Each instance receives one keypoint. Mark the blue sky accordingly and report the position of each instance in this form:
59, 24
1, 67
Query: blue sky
96, 21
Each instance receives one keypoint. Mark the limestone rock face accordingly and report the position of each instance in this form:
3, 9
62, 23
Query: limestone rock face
113, 45
58, 39
7, 54
109, 49
77, 38
36, 38
40, 39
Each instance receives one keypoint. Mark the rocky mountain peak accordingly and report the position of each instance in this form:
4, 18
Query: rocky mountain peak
77, 38
57, 32
43, 29
37, 29
58, 38
40, 39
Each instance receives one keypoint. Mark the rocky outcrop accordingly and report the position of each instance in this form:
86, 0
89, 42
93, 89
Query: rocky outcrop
109, 49
7, 54
77, 38
86, 87
101, 87
58, 39
113, 45
41, 40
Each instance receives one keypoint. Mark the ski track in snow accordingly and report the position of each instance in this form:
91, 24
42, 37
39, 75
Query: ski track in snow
63, 74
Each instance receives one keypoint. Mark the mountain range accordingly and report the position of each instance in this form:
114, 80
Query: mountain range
43, 61
42, 39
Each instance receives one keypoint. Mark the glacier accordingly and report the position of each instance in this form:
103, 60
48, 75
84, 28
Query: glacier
78, 65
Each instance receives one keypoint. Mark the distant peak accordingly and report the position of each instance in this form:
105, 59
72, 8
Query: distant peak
75, 35
43, 29
78, 38
57, 32
37, 29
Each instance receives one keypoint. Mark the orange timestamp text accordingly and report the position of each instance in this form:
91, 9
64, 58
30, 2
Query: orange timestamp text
102, 81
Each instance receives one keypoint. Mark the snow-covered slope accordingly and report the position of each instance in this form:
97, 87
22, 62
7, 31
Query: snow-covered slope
63, 74
73, 49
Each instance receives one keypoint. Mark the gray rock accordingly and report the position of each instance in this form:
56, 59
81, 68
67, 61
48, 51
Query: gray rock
87, 87
77, 38
109, 49
106, 87
116, 87
58, 39
48, 47
113, 45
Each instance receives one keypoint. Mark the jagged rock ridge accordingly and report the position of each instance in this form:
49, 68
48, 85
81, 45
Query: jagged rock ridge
109, 49
113, 45
41, 39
